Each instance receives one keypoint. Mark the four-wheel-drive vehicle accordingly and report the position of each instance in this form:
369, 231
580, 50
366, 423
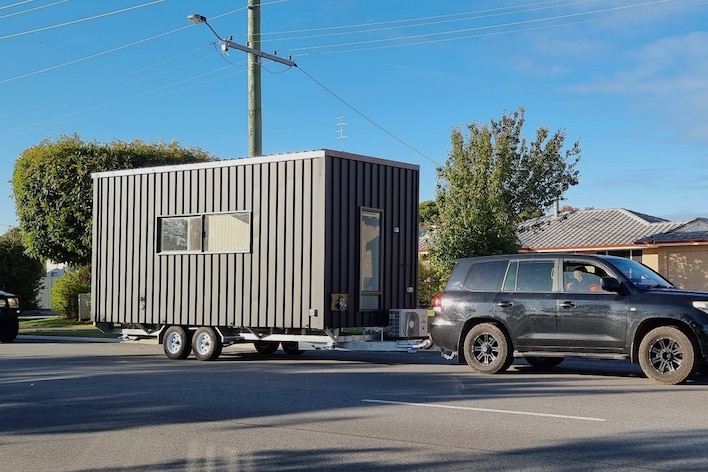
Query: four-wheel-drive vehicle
9, 312
545, 307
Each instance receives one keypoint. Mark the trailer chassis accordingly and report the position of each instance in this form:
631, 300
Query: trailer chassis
207, 342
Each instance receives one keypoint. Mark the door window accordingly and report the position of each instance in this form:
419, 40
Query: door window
530, 276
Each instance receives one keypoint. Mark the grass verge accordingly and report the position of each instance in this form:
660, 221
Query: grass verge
62, 327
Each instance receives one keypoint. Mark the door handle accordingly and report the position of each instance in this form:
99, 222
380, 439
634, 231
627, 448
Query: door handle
504, 304
567, 304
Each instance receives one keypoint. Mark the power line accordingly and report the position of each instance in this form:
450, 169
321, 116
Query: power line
437, 19
102, 15
363, 115
15, 4
477, 28
30, 9
109, 51
432, 17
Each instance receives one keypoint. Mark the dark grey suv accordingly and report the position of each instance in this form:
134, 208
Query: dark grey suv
9, 312
545, 307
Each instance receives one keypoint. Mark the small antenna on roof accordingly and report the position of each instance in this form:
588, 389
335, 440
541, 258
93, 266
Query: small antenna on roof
340, 129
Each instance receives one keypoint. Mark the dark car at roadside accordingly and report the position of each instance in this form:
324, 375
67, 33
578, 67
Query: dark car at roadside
547, 307
9, 317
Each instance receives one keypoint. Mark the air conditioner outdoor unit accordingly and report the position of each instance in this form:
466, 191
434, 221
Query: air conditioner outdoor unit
408, 323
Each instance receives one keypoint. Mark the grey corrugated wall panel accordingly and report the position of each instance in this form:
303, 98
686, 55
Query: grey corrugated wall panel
305, 217
274, 285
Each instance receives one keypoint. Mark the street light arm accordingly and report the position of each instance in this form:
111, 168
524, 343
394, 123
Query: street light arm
197, 19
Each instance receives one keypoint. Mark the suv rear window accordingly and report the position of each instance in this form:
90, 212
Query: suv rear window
485, 275
530, 276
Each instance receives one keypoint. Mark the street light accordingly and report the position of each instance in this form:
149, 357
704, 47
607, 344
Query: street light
255, 137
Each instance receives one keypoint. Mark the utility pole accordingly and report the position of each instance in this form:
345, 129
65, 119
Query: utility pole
255, 122
255, 118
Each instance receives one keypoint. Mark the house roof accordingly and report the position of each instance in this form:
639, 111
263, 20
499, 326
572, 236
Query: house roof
691, 232
594, 229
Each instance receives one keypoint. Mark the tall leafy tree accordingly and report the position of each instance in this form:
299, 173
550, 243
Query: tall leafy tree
492, 180
20, 274
428, 212
52, 188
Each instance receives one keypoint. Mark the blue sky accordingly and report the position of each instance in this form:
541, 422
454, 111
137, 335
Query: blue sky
628, 78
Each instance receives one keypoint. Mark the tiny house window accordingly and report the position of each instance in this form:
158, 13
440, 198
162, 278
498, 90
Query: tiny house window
370, 259
181, 234
227, 233
217, 232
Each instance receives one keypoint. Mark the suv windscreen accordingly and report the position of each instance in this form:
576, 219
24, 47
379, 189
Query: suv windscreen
640, 275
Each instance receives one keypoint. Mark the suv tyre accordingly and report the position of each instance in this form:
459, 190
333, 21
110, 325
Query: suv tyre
667, 355
487, 349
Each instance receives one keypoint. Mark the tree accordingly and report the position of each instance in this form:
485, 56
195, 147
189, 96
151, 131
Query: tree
64, 296
52, 188
491, 181
428, 211
20, 274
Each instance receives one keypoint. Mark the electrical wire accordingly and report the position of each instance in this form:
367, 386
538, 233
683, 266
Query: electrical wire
365, 45
363, 115
436, 20
477, 28
30, 9
86, 58
15, 4
81, 20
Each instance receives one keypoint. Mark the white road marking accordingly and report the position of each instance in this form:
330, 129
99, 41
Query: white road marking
487, 410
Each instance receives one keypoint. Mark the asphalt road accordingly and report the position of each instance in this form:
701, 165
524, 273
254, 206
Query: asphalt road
126, 407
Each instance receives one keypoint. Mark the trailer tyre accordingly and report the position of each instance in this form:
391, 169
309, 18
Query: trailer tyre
206, 344
177, 343
291, 348
266, 347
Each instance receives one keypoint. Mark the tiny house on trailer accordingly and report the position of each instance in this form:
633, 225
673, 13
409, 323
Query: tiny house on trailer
304, 250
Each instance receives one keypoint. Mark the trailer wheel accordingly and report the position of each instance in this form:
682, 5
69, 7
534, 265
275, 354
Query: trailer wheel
291, 348
266, 347
176, 343
206, 344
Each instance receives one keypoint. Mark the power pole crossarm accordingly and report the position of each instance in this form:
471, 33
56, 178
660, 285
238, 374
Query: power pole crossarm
228, 44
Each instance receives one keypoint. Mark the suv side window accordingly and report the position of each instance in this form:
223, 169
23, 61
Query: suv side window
530, 276
582, 277
485, 276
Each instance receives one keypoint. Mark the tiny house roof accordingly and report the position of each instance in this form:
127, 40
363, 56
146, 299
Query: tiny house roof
315, 154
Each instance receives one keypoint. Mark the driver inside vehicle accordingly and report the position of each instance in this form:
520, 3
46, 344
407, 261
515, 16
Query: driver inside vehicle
581, 281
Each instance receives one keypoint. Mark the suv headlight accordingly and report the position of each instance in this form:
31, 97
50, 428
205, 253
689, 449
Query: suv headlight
11, 302
701, 305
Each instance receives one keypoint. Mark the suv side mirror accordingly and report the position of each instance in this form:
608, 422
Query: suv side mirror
611, 284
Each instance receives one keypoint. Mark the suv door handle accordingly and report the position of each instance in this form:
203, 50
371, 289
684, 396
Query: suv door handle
566, 305
504, 304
